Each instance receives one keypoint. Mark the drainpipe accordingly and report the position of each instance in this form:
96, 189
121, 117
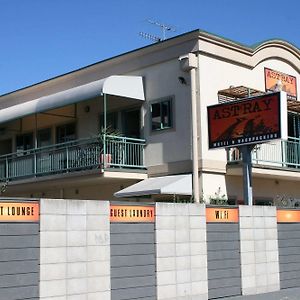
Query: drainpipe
189, 64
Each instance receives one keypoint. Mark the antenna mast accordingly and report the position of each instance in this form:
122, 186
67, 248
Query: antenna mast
163, 27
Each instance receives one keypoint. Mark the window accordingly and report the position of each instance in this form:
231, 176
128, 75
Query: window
161, 115
232, 200
24, 141
111, 120
65, 133
293, 125
131, 123
44, 137
263, 201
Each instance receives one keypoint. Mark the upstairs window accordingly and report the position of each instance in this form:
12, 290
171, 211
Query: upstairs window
24, 142
111, 121
44, 137
65, 133
161, 115
293, 125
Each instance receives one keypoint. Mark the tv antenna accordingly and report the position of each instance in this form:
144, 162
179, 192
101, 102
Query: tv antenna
151, 37
163, 28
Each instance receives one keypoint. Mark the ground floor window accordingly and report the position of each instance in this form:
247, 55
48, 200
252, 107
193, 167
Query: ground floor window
263, 201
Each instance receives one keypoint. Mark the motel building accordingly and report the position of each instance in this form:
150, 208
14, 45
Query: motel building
95, 131
95, 165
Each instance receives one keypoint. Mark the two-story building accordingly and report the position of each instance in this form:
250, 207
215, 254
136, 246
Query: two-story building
94, 131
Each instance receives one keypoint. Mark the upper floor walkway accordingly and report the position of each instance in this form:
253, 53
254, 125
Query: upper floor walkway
102, 152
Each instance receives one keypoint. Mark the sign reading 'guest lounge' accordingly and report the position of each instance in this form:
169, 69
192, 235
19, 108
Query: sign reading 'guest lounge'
19, 212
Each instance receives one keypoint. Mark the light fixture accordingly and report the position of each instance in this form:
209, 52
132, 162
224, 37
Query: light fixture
182, 80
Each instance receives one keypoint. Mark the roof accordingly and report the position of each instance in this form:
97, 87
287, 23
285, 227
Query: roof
198, 33
125, 86
234, 93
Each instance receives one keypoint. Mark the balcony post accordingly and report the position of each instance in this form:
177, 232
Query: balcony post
34, 162
6, 169
104, 130
67, 158
35, 146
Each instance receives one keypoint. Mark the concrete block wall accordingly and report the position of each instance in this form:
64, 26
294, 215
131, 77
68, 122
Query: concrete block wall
259, 249
181, 252
74, 250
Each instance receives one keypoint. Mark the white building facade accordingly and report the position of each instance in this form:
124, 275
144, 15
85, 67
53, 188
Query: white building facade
92, 132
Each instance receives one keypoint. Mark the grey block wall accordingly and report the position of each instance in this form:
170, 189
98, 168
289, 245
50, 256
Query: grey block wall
133, 261
75, 250
259, 249
289, 254
19, 261
181, 253
223, 255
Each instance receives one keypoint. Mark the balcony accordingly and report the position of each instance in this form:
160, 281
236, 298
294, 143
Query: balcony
278, 154
105, 152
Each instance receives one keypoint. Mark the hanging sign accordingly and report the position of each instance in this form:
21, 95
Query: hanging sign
222, 215
250, 121
128, 214
19, 212
288, 83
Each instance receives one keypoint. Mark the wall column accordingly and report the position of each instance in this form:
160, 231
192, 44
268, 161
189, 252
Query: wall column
259, 249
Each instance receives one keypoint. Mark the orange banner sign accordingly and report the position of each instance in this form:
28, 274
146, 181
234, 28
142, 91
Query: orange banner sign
132, 214
288, 83
222, 215
288, 216
19, 212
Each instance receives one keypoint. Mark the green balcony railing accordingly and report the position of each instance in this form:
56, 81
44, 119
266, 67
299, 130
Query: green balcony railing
118, 152
282, 154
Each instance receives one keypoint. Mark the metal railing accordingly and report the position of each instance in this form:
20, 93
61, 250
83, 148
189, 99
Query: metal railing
282, 154
120, 152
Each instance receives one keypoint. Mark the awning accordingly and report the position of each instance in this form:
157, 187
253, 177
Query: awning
166, 185
125, 86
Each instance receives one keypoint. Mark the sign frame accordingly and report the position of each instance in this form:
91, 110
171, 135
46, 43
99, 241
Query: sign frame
247, 112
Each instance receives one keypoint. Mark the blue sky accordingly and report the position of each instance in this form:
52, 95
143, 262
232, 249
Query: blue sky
41, 39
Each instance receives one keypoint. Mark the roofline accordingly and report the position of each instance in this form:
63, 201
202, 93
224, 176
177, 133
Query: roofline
106, 60
250, 48
198, 33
